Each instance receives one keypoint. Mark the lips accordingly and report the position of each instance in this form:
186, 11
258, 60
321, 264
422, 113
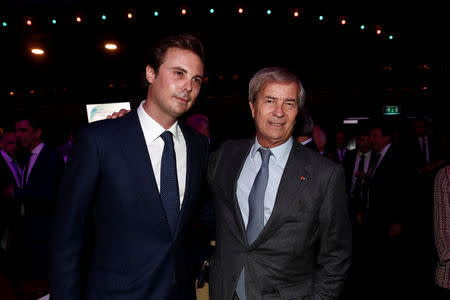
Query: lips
277, 124
183, 97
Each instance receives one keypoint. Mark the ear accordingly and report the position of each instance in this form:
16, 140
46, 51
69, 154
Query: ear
150, 74
39, 132
252, 108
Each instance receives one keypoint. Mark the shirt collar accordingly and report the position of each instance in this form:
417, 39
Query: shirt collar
280, 152
38, 148
306, 141
6, 156
385, 149
152, 129
365, 154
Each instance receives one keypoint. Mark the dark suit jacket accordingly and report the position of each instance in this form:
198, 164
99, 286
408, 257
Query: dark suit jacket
111, 221
304, 249
39, 193
312, 145
389, 188
38, 197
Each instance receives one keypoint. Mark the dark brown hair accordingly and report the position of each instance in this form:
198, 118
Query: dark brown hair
181, 41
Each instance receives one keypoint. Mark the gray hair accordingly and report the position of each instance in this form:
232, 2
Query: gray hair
274, 74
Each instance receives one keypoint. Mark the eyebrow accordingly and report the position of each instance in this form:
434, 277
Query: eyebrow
276, 98
185, 71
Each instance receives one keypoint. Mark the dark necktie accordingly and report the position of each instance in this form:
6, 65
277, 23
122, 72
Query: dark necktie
255, 211
358, 183
169, 182
367, 192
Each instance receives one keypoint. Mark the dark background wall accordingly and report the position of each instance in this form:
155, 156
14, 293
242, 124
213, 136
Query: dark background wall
346, 72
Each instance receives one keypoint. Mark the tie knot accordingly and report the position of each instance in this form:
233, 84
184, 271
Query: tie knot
265, 155
363, 157
167, 137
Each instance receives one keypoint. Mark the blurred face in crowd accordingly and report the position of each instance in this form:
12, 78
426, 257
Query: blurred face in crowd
340, 139
274, 112
174, 87
378, 140
27, 136
9, 144
363, 143
199, 123
420, 128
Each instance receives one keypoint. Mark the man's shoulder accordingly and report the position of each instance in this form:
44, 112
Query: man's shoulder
313, 158
233, 147
108, 126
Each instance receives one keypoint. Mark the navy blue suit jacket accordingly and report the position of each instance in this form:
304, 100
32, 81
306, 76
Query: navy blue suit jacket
111, 238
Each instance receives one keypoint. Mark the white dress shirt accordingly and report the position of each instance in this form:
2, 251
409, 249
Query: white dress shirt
155, 145
355, 168
424, 147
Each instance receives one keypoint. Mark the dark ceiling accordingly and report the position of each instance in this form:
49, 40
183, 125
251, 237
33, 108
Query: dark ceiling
345, 70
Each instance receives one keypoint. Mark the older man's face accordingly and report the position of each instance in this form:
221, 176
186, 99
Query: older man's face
274, 112
9, 144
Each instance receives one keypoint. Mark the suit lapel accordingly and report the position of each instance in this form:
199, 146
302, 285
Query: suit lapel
134, 149
234, 170
295, 176
36, 166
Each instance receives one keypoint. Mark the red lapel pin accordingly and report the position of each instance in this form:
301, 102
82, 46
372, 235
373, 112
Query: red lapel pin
302, 178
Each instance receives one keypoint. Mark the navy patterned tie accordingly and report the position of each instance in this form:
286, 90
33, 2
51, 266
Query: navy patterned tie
169, 182
256, 211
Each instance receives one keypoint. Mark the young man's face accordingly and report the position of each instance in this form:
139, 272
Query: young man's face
175, 87
378, 140
27, 136
274, 112
363, 142
9, 144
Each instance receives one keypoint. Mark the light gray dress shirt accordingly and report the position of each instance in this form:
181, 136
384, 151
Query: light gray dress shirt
252, 164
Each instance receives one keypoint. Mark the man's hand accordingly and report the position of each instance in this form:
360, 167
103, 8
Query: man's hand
118, 114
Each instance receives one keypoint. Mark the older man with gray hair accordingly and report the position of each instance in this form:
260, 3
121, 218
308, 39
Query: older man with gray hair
283, 230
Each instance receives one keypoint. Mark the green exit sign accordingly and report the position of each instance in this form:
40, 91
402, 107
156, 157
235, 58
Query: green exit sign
391, 110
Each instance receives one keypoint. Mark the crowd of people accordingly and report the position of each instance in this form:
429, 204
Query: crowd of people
127, 209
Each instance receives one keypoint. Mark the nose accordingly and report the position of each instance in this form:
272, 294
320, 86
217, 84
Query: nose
278, 109
187, 87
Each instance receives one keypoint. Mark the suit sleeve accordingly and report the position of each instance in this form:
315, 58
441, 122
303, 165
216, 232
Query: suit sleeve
70, 218
335, 239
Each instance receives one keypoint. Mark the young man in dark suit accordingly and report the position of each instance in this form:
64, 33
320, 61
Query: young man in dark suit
41, 175
283, 230
130, 190
386, 193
